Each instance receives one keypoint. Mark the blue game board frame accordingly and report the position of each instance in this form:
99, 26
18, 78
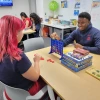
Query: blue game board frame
57, 47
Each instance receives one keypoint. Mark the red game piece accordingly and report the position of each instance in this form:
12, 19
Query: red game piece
52, 61
42, 58
48, 59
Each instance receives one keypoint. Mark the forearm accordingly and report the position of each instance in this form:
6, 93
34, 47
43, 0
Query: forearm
92, 49
66, 42
34, 28
27, 24
37, 67
69, 39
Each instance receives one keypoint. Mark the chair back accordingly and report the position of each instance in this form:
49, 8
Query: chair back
33, 44
15, 93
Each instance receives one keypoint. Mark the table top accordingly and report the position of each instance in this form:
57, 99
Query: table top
58, 26
28, 31
69, 85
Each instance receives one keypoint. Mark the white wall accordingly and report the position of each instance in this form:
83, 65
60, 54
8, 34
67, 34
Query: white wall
18, 7
46, 8
32, 6
68, 13
40, 8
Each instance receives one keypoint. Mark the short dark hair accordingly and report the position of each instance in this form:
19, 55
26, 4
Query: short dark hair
36, 18
85, 15
22, 14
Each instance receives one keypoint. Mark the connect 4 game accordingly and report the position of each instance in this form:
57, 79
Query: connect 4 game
56, 47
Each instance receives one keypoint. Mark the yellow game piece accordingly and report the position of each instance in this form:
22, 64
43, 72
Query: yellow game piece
65, 51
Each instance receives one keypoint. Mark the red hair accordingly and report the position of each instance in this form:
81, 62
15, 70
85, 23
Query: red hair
9, 28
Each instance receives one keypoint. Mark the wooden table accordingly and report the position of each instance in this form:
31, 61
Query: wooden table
28, 31
68, 84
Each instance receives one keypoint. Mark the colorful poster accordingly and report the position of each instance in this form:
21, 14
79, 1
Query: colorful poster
76, 12
64, 4
77, 4
96, 4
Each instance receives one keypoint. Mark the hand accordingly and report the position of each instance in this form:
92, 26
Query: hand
55, 36
76, 45
37, 58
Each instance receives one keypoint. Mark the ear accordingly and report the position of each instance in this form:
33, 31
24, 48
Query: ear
89, 21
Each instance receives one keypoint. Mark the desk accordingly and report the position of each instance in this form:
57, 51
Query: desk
61, 27
68, 84
27, 32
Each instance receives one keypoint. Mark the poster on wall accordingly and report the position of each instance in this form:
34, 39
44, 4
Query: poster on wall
64, 4
96, 4
76, 12
77, 4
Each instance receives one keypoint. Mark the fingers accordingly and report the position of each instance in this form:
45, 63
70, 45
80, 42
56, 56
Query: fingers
55, 36
75, 45
37, 58
37, 55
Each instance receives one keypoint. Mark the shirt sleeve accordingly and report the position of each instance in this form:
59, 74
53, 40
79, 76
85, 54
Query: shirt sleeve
70, 38
24, 64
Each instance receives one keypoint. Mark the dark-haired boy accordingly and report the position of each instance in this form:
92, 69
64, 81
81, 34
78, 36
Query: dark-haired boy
86, 36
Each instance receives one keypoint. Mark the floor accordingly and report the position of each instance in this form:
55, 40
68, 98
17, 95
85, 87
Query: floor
46, 43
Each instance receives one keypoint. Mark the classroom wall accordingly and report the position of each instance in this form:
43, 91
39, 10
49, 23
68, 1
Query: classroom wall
63, 13
32, 6
40, 8
18, 6
46, 8
68, 13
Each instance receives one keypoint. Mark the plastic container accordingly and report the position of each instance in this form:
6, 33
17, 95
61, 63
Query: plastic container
76, 64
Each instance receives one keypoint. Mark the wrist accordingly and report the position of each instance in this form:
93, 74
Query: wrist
36, 62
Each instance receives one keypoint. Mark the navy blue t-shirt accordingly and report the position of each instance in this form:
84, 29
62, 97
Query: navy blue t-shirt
11, 72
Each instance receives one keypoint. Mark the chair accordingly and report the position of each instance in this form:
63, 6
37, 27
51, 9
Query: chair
20, 94
51, 93
33, 44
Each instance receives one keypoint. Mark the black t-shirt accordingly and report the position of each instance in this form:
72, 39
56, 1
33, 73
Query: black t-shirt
11, 72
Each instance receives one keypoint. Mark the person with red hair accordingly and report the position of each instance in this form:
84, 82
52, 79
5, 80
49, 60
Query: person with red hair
16, 70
